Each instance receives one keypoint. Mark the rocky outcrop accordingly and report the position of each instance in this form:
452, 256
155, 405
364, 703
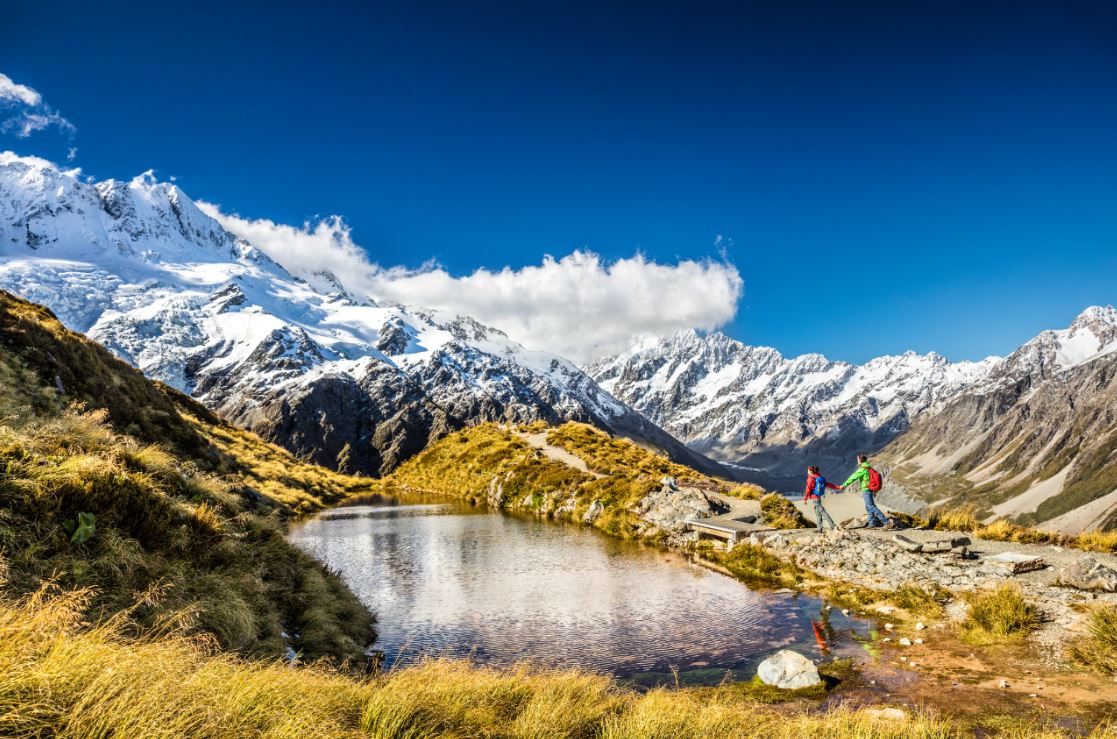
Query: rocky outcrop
670, 508
1089, 574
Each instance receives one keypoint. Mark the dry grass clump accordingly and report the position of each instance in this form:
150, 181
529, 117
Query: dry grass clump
746, 491
998, 616
921, 601
965, 519
781, 513
58, 678
1099, 650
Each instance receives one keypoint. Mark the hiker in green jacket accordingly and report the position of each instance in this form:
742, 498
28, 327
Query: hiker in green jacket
864, 471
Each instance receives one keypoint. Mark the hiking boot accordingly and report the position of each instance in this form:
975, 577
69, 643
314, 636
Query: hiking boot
890, 525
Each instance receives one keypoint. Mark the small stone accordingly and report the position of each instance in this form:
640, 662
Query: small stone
918, 641
1004, 683
887, 639
905, 642
1032, 695
920, 626
903, 659
888, 627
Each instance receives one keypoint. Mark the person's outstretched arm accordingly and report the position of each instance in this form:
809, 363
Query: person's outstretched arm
858, 474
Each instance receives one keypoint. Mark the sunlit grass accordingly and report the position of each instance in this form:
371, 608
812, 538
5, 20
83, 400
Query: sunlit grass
998, 616
1099, 649
61, 678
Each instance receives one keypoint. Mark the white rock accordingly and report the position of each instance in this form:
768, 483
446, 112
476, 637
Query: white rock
888, 627
920, 626
918, 641
885, 714
905, 642
788, 670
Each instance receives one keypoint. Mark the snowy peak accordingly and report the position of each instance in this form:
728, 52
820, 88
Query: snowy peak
1091, 335
56, 213
738, 402
141, 268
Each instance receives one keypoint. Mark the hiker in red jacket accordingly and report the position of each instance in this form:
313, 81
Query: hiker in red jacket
816, 488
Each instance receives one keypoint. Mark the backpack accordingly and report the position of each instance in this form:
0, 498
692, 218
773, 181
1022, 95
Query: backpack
820, 486
876, 482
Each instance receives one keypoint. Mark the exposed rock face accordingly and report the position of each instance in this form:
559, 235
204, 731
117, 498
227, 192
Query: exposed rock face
771, 416
788, 670
595, 510
1037, 442
669, 509
143, 270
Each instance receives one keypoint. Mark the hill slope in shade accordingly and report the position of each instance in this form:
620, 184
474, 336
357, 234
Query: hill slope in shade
329, 375
186, 510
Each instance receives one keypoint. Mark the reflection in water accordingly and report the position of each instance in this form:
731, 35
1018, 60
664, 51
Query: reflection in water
447, 579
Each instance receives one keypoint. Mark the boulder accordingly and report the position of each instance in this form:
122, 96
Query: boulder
1015, 563
788, 670
1089, 574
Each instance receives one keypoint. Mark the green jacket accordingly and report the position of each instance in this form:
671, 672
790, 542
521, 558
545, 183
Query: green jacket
862, 475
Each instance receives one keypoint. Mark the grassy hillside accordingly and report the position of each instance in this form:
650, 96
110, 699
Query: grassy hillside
179, 517
493, 463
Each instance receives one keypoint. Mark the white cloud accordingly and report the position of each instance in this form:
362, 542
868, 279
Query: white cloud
23, 112
579, 306
10, 90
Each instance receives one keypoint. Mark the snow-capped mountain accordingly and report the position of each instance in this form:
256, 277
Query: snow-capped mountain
1035, 440
752, 407
140, 268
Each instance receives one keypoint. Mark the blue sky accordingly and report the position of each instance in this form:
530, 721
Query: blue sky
885, 176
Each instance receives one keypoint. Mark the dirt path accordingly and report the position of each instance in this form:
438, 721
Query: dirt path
539, 441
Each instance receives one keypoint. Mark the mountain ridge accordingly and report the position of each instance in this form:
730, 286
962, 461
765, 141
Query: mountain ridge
141, 269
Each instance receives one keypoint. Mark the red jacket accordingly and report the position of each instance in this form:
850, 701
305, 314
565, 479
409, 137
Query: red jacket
808, 494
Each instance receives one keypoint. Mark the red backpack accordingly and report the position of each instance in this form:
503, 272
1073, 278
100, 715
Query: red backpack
876, 482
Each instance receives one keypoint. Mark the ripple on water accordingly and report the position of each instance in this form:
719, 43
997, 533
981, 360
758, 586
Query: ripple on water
450, 580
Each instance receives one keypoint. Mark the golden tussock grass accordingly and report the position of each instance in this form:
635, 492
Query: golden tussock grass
965, 518
1098, 650
61, 678
998, 616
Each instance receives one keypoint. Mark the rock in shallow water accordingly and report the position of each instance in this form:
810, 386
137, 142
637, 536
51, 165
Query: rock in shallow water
788, 670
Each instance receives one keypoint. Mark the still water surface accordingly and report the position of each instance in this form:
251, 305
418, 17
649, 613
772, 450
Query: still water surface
451, 579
